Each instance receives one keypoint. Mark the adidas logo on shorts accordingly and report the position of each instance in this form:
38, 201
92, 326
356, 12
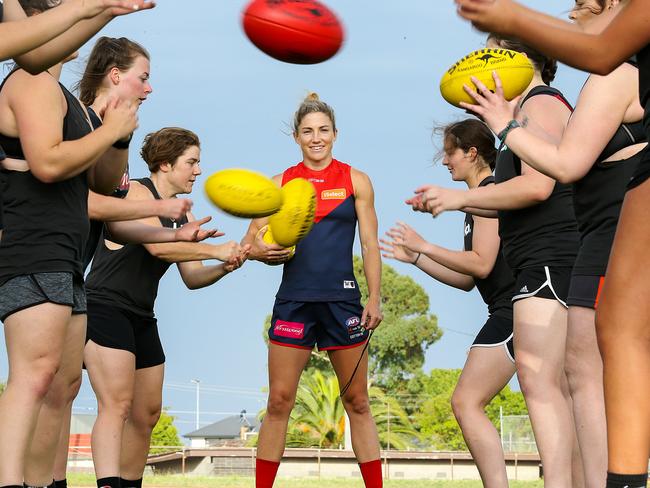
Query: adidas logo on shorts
524, 289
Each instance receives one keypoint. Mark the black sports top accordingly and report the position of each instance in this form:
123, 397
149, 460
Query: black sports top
128, 277
598, 198
96, 226
497, 289
46, 224
545, 234
643, 169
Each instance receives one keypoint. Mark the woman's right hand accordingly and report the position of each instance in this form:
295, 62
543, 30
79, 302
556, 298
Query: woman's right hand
91, 8
404, 235
489, 15
121, 117
174, 208
268, 253
392, 250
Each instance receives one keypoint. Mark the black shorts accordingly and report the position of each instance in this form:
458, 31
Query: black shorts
113, 327
330, 325
584, 291
497, 332
542, 282
28, 291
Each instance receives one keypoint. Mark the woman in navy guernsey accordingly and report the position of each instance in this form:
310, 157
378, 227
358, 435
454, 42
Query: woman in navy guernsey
470, 156
599, 166
540, 241
623, 315
318, 303
42, 297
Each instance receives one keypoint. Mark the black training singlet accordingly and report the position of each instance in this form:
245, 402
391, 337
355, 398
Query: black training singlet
46, 224
128, 277
643, 169
497, 289
598, 198
97, 226
545, 234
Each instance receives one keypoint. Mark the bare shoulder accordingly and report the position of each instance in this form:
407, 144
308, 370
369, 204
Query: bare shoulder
137, 191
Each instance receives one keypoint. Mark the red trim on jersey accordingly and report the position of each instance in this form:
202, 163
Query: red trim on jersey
333, 185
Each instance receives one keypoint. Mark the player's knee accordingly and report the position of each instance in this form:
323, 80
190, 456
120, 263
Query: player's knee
462, 402
356, 403
40, 378
146, 418
280, 403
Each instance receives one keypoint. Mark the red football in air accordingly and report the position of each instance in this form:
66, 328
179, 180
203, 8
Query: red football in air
293, 31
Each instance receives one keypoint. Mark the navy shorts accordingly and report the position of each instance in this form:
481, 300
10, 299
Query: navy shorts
585, 291
328, 325
113, 327
497, 332
542, 282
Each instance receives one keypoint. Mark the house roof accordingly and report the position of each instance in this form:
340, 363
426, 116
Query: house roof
228, 428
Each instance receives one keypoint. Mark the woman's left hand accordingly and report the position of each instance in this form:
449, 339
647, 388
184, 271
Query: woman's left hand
372, 315
436, 199
493, 108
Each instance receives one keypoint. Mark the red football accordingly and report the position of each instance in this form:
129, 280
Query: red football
294, 31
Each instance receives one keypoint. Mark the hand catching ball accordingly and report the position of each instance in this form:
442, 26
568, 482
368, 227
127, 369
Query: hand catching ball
515, 70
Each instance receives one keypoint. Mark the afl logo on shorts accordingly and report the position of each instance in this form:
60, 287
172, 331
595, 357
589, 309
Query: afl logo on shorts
336, 194
352, 321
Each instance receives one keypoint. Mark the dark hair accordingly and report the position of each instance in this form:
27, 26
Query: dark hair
108, 53
546, 66
166, 146
33, 7
312, 104
466, 134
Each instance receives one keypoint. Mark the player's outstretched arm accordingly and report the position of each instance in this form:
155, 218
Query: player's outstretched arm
41, 41
597, 53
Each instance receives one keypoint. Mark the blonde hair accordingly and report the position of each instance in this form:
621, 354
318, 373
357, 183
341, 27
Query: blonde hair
312, 104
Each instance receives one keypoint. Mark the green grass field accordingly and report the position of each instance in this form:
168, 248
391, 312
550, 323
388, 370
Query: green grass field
177, 481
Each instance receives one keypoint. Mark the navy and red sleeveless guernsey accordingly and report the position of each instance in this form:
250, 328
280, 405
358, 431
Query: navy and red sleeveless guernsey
545, 234
497, 289
46, 224
643, 169
321, 270
128, 277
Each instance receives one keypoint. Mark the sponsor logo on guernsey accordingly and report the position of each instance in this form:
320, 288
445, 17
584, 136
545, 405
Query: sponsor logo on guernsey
334, 194
349, 285
468, 229
292, 330
316, 180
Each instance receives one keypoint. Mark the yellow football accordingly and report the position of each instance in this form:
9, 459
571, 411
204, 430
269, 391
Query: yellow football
243, 193
515, 70
296, 216
267, 236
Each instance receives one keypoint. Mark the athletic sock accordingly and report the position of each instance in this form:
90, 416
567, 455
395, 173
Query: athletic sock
371, 473
627, 480
131, 483
11, 486
61, 483
110, 482
265, 472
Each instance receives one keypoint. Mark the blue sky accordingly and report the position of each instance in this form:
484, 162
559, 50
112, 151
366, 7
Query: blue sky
383, 84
